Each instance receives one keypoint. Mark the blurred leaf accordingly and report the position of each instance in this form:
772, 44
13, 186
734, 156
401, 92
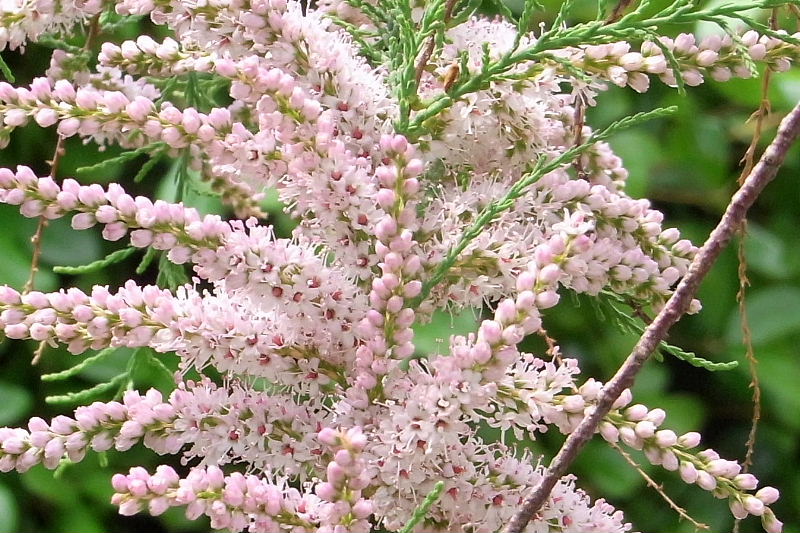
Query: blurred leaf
766, 252
16, 401
15, 243
109, 367
783, 371
434, 337
611, 105
640, 153
650, 383
685, 412
40, 482
62, 245
785, 88
95, 482
81, 517
609, 472
746, 93
9, 514
774, 312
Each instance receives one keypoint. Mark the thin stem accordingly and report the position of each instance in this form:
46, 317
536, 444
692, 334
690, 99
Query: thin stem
58, 153
619, 10
676, 306
659, 489
762, 113
431, 46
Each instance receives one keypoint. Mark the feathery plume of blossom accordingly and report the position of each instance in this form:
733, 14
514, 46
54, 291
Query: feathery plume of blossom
354, 425
27, 20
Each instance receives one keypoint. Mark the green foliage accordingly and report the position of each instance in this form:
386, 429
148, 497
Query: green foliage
612, 308
422, 511
111, 259
7, 74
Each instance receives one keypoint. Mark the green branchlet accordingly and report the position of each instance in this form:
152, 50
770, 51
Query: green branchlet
422, 511
96, 266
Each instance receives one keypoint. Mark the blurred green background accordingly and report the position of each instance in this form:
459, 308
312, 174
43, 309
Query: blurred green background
687, 165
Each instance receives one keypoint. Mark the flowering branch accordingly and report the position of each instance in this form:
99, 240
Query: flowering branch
678, 304
432, 158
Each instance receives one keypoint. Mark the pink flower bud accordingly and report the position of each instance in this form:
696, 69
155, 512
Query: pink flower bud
689, 440
768, 495
609, 432
69, 127
329, 436
705, 480
770, 522
362, 509
547, 299
326, 491
737, 509
645, 429
753, 505
666, 438
635, 413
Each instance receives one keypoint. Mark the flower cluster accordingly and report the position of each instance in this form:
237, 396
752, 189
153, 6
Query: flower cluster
404, 174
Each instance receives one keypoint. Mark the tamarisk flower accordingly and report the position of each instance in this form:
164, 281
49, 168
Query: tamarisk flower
26, 20
618, 243
236, 502
339, 423
215, 424
638, 427
719, 57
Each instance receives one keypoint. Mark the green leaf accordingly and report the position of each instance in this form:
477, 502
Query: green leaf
774, 313
608, 471
641, 153
16, 401
110, 259
9, 512
108, 164
6, 71
86, 395
170, 275
685, 412
80, 367
422, 511
15, 243
39, 481
766, 253
782, 368
434, 337
62, 245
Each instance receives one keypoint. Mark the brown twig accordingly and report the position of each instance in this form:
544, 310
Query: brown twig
747, 337
36, 240
579, 119
58, 153
761, 114
431, 46
659, 489
618, 11
676, 306
553, 349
